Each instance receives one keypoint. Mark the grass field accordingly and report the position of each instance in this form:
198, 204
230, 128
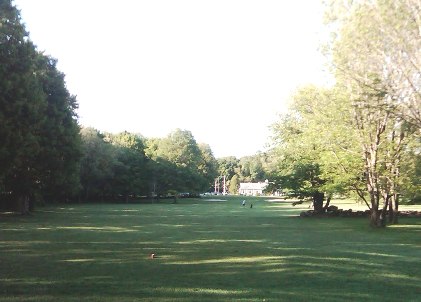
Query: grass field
205, 251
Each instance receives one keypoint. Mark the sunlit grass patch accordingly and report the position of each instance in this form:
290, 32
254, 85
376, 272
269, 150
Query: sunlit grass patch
92, 228
230, 260
199, 290
406, 226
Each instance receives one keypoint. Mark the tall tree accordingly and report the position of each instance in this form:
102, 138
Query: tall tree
376, 57
179, 163
21, 108
297, 167
234, 185
97, 165
59, 136
380, 38
208, 165
314, 146
180, 148
38, 127
130, 174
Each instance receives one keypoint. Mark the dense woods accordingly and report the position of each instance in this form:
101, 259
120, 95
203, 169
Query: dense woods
127, 166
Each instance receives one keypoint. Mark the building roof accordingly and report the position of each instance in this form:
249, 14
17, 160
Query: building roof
253, 185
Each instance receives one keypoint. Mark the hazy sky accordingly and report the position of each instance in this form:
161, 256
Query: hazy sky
222, 69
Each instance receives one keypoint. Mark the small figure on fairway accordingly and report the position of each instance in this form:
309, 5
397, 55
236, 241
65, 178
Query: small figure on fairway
243, 203
251, 206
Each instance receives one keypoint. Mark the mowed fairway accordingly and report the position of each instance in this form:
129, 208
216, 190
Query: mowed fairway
205, 251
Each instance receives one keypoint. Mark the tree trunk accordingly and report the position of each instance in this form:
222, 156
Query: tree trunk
395, 209
23, 205
378, 217
31, 205
318, 202
374, 218
329, 197
383, 214
86, 194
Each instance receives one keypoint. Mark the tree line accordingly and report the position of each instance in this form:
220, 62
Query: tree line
126, 165
45, 156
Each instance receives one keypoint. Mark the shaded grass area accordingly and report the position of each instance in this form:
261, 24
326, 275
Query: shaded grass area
206, 251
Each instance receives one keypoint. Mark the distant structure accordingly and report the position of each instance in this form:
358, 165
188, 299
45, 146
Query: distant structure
252, 188
217, 185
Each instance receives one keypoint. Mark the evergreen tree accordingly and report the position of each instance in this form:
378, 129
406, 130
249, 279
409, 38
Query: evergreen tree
22, 107
39, 135
59, 136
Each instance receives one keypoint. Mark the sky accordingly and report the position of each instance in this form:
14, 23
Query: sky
222, 69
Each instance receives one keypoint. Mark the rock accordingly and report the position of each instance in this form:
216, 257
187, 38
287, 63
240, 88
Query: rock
332, 208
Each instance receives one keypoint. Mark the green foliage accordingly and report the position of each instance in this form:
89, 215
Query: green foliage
154, 166
131, 170
234, 185
59, 137
21, 104
411, 173
246, 169
253, 168
314, 147
98, 165
376, 45
377, 62
180, 148
228, 166
38, 128
208, 165
113, 166
179, 163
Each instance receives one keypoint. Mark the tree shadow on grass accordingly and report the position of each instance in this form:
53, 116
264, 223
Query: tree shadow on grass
101, 256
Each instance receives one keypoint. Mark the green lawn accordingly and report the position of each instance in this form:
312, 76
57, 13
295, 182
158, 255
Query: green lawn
206, 251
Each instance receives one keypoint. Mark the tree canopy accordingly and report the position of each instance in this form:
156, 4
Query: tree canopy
38, 127
179, 163
354, 136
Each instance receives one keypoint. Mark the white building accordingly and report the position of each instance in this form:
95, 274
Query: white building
252, 188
